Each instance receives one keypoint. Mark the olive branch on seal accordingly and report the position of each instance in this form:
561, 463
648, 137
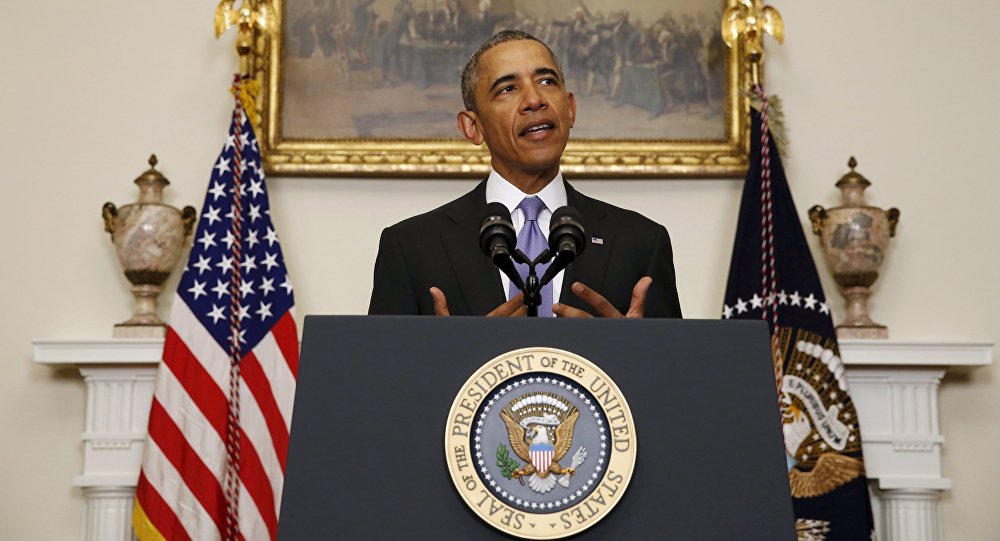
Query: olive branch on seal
506, 464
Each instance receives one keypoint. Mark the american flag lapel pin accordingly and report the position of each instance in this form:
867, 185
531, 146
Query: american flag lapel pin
596, 240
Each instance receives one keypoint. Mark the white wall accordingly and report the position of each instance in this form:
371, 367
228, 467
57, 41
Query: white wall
91, 88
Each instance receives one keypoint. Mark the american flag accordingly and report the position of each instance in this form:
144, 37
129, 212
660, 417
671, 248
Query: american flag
215, 459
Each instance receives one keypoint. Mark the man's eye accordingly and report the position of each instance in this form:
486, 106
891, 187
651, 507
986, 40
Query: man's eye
505, 89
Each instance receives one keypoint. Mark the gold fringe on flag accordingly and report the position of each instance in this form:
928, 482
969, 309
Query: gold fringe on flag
247, 93
144, 529
776, 121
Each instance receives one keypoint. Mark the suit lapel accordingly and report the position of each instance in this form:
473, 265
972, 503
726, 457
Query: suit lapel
592, 265
477, 277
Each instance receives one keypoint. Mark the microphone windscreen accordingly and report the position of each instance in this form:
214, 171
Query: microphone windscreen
566, 224
496, 227
562, 213
496, 210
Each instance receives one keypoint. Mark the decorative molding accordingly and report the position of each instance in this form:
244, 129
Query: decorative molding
913, 446
86, 352
894, 385
953, 355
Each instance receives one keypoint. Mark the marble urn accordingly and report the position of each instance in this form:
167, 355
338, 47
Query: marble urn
148, 237
854, 238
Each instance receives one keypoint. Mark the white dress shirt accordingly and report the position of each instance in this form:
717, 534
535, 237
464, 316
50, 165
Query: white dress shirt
499, 190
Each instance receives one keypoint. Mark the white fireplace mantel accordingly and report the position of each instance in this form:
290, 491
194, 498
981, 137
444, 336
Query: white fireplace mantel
894, 385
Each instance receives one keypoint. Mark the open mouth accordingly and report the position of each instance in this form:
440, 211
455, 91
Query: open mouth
537, 128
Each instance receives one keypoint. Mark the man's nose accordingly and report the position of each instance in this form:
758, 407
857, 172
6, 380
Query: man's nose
533, 99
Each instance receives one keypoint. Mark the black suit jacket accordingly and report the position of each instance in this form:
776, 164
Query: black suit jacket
441, 248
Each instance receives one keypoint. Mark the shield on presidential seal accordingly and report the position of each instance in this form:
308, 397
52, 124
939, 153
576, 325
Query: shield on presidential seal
541, 455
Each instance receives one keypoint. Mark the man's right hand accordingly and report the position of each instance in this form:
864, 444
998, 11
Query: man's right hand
513, 308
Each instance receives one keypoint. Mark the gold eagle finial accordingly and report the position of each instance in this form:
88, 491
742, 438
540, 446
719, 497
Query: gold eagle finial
249, 16
750, 20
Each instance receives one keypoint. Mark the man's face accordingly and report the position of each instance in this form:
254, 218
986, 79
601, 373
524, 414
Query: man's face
524, 111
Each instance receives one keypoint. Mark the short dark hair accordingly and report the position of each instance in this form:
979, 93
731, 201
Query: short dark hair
470, 74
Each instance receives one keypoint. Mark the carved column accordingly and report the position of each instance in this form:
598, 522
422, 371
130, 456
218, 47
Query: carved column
895, 389
910, 514
120, 376
109, 513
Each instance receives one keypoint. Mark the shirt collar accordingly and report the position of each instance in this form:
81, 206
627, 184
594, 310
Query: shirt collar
499, 190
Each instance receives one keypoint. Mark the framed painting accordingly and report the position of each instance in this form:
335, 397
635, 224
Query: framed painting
371, 87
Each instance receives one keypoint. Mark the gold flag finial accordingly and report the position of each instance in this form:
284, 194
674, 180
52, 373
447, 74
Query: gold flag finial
250, 15
750, 20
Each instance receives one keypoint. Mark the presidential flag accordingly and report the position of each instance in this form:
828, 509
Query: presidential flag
772, 276
222, 408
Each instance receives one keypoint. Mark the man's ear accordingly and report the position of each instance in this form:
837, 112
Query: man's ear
572, 108
468, 124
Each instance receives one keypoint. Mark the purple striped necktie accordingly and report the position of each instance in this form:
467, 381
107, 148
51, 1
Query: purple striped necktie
531, 241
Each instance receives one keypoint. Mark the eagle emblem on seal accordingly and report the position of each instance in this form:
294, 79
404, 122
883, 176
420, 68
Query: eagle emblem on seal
540, 429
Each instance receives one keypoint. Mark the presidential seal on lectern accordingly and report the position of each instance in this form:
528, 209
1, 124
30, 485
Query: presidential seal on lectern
540, 443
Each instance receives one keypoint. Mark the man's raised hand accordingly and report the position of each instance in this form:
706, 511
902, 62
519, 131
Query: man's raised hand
513, 308
602, 306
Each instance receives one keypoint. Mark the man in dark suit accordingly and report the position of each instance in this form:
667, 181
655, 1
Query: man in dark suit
516, 102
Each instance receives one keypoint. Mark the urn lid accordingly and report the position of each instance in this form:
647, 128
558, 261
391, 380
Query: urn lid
151, 183
853, 178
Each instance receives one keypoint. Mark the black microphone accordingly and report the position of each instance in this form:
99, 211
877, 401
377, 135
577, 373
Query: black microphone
566, 240
498, 239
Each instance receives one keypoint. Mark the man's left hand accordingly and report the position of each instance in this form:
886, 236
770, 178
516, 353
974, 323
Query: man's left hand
601, 305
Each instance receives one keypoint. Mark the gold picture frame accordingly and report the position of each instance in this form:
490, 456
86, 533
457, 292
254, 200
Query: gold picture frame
318, 65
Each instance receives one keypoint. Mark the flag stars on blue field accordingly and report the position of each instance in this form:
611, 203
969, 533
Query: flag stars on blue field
212, 215
783, 298
220, 289
223, 166
225, 263
198, 289
266, 286
246, 288
270, 260
249, 263
265, 292
255, 186
216, 313
207, 240
203, 264
252, 239
217, 191
264, 311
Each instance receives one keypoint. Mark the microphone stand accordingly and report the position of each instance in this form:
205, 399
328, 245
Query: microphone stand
533, 286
